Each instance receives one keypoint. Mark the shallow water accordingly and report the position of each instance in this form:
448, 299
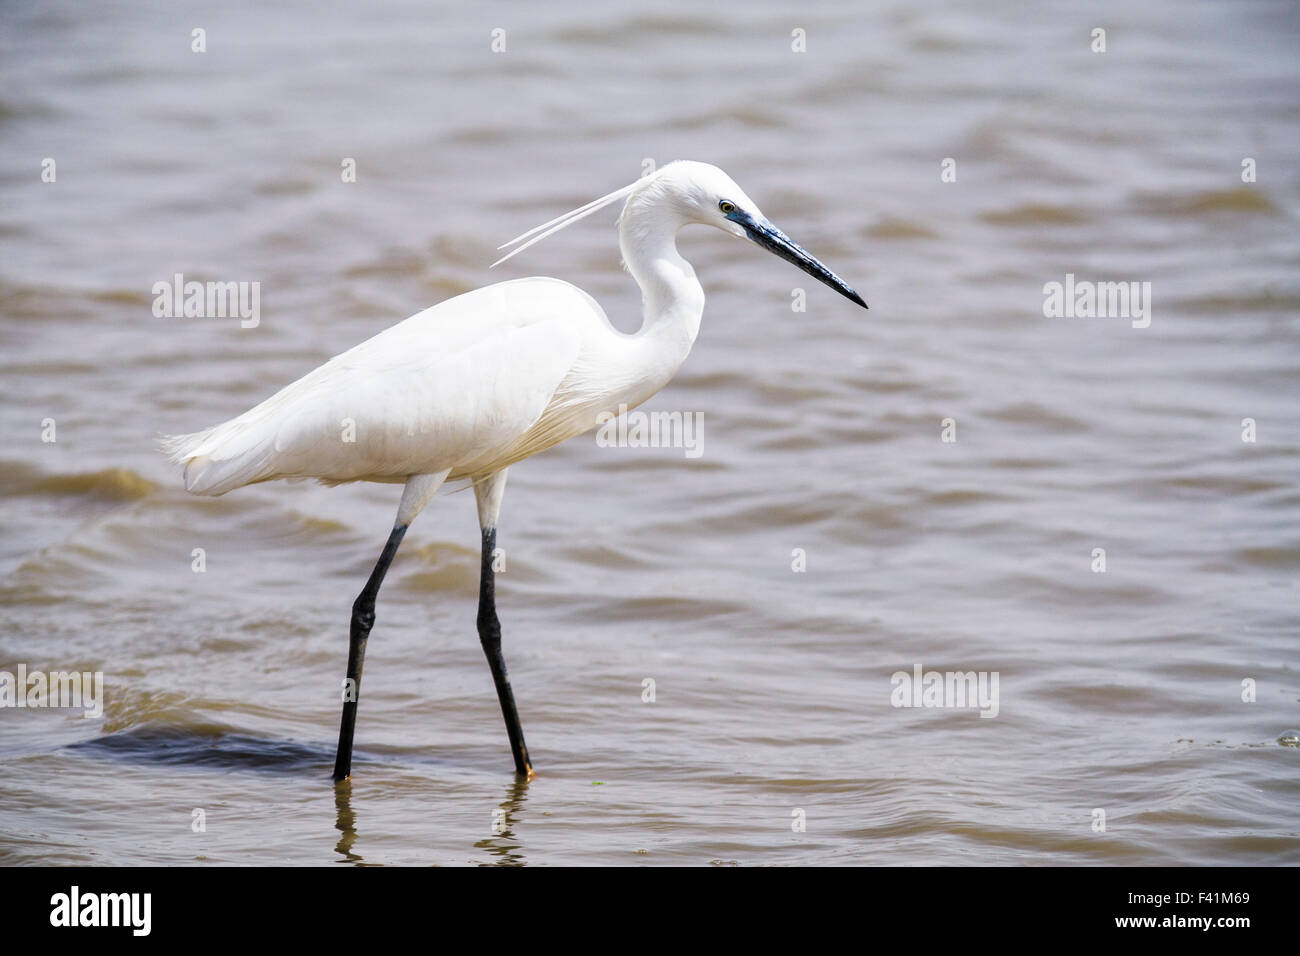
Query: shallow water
1119, 691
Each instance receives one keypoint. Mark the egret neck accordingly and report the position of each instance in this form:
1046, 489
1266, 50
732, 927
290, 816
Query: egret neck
672, 298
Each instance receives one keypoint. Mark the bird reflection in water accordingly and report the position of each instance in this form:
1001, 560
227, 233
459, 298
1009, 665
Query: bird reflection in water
503, 845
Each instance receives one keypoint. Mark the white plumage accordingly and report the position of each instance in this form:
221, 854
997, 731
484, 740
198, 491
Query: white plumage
465, 385
482, 380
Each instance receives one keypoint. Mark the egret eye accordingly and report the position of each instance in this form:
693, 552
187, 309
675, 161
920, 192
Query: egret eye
727, 207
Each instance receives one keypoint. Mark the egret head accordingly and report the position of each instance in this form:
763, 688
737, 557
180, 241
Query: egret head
712, 197
693, 192
697, 193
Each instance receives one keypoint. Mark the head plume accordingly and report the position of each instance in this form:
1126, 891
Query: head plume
538, 233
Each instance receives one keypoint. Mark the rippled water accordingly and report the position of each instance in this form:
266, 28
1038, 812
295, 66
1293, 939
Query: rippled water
1119, 691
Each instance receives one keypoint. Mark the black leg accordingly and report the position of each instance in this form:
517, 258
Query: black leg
489, 633
363, 619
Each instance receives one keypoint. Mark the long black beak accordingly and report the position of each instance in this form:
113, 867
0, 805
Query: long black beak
774, 240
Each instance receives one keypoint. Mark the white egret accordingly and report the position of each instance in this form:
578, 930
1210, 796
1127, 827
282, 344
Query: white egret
472, 385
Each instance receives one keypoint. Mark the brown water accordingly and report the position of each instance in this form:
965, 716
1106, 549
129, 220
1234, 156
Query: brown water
1120, 691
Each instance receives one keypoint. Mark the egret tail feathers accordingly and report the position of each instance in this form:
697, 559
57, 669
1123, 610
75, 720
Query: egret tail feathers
216, 460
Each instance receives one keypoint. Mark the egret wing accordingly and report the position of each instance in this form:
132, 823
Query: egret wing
449, 387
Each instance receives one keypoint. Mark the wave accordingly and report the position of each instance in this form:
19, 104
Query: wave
108, 484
